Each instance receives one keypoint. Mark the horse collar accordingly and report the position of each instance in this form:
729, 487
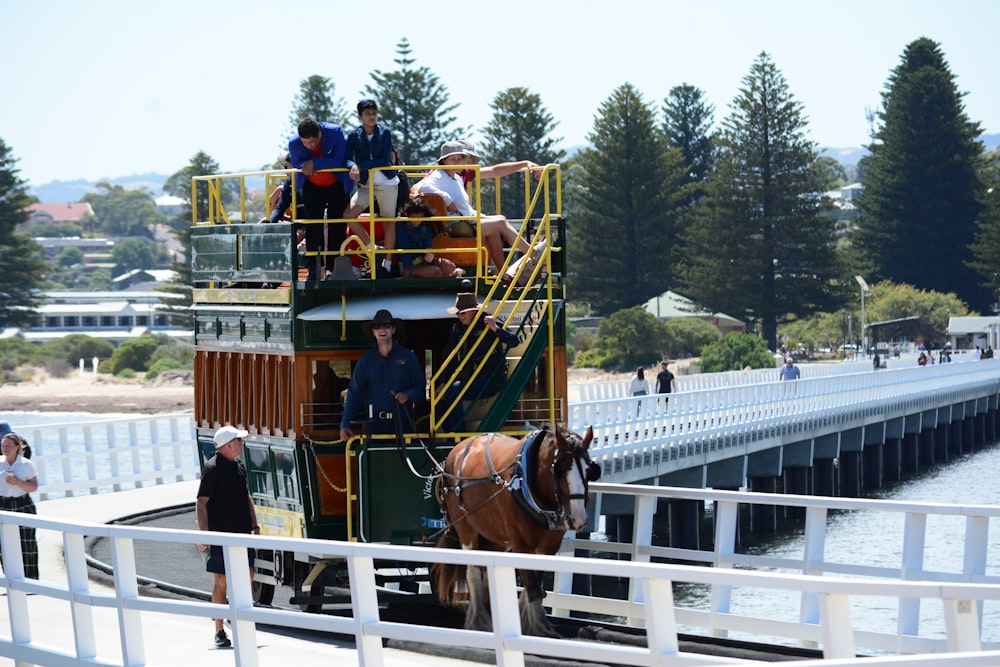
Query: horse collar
520, 485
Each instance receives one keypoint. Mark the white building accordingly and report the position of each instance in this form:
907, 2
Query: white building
112, 316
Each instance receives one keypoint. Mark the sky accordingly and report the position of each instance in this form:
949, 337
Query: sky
112, 88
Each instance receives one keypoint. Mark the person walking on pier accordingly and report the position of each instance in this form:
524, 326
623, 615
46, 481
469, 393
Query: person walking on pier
224, 505
19, 479
789, 371
665, 382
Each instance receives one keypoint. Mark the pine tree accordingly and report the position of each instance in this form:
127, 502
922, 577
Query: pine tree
23, 270
316, 99
986, 249
413, 104
179, 185
520, 129
687, 125
620, 193
762, 241
922, 188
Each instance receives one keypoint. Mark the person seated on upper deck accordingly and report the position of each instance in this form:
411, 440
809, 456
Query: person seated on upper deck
493, 374
415, 234
449, 184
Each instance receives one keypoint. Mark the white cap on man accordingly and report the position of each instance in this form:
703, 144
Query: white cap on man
227, 434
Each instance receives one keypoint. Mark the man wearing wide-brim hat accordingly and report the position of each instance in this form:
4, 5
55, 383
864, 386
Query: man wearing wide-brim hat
449, 185
469, 352
385, 382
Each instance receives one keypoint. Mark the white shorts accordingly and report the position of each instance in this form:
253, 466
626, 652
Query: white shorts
385, 194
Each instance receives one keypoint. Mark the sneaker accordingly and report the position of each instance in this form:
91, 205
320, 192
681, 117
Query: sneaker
221, 640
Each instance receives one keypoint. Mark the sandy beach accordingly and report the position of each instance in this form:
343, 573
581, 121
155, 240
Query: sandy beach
173, 391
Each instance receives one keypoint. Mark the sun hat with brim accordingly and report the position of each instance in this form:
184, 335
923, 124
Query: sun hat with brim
464, 302
456, 147
227, 434
381, 317
5, 429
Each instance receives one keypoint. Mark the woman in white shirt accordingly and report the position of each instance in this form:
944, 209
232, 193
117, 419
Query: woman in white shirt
19, 478
639, 387
449, 185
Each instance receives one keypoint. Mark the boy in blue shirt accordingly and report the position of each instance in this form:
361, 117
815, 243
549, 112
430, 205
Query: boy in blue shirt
369, 146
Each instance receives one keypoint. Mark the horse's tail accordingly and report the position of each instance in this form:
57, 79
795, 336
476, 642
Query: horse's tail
448, 579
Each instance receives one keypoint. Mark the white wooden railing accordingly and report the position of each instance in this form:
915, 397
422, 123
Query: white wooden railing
635, 432
83, 458
652, 599
903, 551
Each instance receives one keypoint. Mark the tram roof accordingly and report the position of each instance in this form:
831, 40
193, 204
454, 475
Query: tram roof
402, 306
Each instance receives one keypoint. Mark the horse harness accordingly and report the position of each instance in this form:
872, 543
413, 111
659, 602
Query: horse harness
522, 477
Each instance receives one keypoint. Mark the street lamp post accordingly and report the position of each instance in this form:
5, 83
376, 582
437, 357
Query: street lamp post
864, 288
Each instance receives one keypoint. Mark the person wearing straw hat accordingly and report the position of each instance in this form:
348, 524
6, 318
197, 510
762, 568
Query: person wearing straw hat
386, 380
469, 353
448, 183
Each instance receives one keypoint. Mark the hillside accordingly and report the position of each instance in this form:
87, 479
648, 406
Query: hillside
69, 191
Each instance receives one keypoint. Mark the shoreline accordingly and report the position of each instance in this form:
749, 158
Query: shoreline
99, 394
172, 391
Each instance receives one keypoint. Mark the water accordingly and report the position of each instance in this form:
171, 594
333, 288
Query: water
876, 539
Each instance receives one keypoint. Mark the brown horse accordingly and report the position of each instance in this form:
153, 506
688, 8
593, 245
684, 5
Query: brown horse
502, 494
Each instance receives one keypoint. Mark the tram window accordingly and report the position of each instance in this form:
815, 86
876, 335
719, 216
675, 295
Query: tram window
330, 380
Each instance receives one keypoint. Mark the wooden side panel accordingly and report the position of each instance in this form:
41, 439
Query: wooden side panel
331, 501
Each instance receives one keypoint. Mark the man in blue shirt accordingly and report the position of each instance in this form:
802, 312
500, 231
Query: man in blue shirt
316, 147
387, 379
789, 371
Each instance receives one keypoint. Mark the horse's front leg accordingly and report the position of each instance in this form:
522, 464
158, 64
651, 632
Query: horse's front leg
533, 618
477, 616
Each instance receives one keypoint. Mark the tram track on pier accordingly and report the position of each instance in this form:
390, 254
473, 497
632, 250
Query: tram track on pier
177, 571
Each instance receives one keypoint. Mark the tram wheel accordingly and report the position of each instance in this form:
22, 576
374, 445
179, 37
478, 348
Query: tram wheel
301, 572
263, 593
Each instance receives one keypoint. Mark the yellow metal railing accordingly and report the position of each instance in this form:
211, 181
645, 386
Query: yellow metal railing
215, 194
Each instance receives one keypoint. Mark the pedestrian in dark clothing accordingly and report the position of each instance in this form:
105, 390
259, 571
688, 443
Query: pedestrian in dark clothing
225, 505
665, 382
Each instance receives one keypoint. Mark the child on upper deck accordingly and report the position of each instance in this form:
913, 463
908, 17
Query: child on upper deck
415, 234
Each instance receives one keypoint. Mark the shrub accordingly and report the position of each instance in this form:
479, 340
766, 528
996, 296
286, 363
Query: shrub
134, 353
161, 365
735, 351
125, 373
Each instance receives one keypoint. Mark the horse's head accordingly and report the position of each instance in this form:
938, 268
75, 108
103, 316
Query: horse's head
573, 471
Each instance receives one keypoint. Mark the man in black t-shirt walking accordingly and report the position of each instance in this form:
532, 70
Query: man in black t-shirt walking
225, 505
665, 382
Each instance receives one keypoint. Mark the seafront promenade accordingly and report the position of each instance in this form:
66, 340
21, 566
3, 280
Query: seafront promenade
170, 639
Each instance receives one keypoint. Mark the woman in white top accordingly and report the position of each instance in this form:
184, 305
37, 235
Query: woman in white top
639, 386
449, 184
19, 478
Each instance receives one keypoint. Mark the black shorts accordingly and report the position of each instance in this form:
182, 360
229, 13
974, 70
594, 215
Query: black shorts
217, 564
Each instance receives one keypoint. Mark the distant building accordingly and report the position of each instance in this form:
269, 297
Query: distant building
142, 280
75, 212
170, 205
966, 333
52, 246
845, 212
112, 316
671, 306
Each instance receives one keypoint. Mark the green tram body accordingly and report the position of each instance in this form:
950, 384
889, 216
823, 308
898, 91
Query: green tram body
265, 337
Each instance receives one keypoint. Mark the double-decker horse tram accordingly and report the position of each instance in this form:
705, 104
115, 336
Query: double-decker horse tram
277, 343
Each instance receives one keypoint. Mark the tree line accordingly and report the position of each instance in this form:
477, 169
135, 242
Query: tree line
731, 214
